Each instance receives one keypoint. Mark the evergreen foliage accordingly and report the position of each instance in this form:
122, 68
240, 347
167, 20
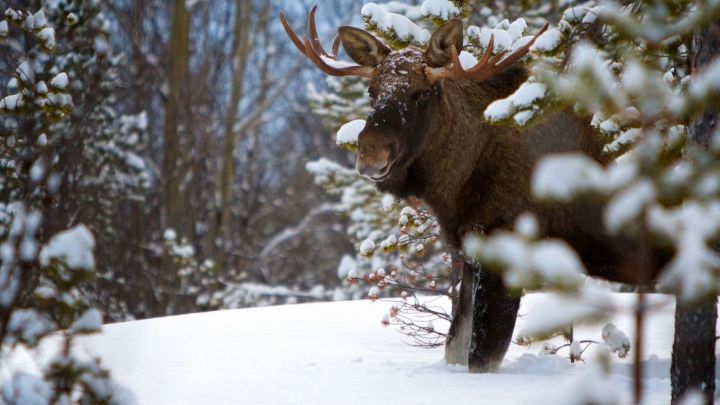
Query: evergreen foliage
44, 270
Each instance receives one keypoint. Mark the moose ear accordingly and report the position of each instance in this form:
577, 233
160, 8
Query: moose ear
443, 39
362, 46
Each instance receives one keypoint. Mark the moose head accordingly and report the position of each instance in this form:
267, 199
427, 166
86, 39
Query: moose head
405, 90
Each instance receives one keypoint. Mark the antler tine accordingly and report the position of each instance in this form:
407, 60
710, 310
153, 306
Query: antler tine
336, 46
488, 50
293, 36
313, 50
488, 65
314, 38
522, 51
484, 63
355, 70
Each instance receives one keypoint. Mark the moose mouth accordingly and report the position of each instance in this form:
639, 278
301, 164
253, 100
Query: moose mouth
384, 173
381, 175
376, 163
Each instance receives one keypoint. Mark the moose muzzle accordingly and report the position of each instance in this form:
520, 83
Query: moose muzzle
377, 152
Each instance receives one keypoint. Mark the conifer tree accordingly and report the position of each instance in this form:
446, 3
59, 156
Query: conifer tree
42, 272
98, 148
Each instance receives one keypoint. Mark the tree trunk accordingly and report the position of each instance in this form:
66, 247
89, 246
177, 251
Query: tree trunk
494, 315
223, 186
693, 357
173, 198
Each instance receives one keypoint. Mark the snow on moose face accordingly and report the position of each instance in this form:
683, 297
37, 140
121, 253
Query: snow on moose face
402, 102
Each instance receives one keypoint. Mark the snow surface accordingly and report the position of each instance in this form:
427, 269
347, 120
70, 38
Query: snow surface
443, 9
348, 133
388, 202
90, 321
334, 353
47, 35
523, 98
575, 14
367, 247
74, 247
629, 204
550, 261
11, 102
692, 227
563, 176
548, 41
347, 265
60, 81
403, 27
337, 64
516, 29
502, 38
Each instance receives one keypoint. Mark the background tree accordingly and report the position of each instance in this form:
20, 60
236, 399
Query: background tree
693, 360
43, 271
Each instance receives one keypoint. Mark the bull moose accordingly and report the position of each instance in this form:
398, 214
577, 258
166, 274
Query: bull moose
426, 137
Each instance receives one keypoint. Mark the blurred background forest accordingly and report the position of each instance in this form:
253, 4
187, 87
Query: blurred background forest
185, 149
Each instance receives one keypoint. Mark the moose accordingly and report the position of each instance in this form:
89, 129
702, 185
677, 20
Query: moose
426, 138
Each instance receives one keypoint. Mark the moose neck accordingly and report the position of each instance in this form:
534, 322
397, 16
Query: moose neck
457, 143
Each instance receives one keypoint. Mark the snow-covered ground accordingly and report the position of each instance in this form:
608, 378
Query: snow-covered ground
332, 353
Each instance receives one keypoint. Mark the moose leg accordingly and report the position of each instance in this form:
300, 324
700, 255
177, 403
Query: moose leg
494, 315
458, 339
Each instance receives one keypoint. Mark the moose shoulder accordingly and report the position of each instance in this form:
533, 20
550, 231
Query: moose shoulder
426, 137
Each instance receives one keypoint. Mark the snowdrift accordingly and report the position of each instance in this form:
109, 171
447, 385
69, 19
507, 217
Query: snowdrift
333, 353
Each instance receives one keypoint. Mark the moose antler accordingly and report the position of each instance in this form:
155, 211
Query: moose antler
486, 67
313, 50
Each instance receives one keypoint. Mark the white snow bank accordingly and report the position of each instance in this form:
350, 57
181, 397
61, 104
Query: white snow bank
334, 353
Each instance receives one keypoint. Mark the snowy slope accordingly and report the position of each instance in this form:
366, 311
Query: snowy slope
333, 353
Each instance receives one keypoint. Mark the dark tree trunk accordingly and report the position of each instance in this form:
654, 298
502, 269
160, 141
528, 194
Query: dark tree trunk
494, 315
693, 358
174, 197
